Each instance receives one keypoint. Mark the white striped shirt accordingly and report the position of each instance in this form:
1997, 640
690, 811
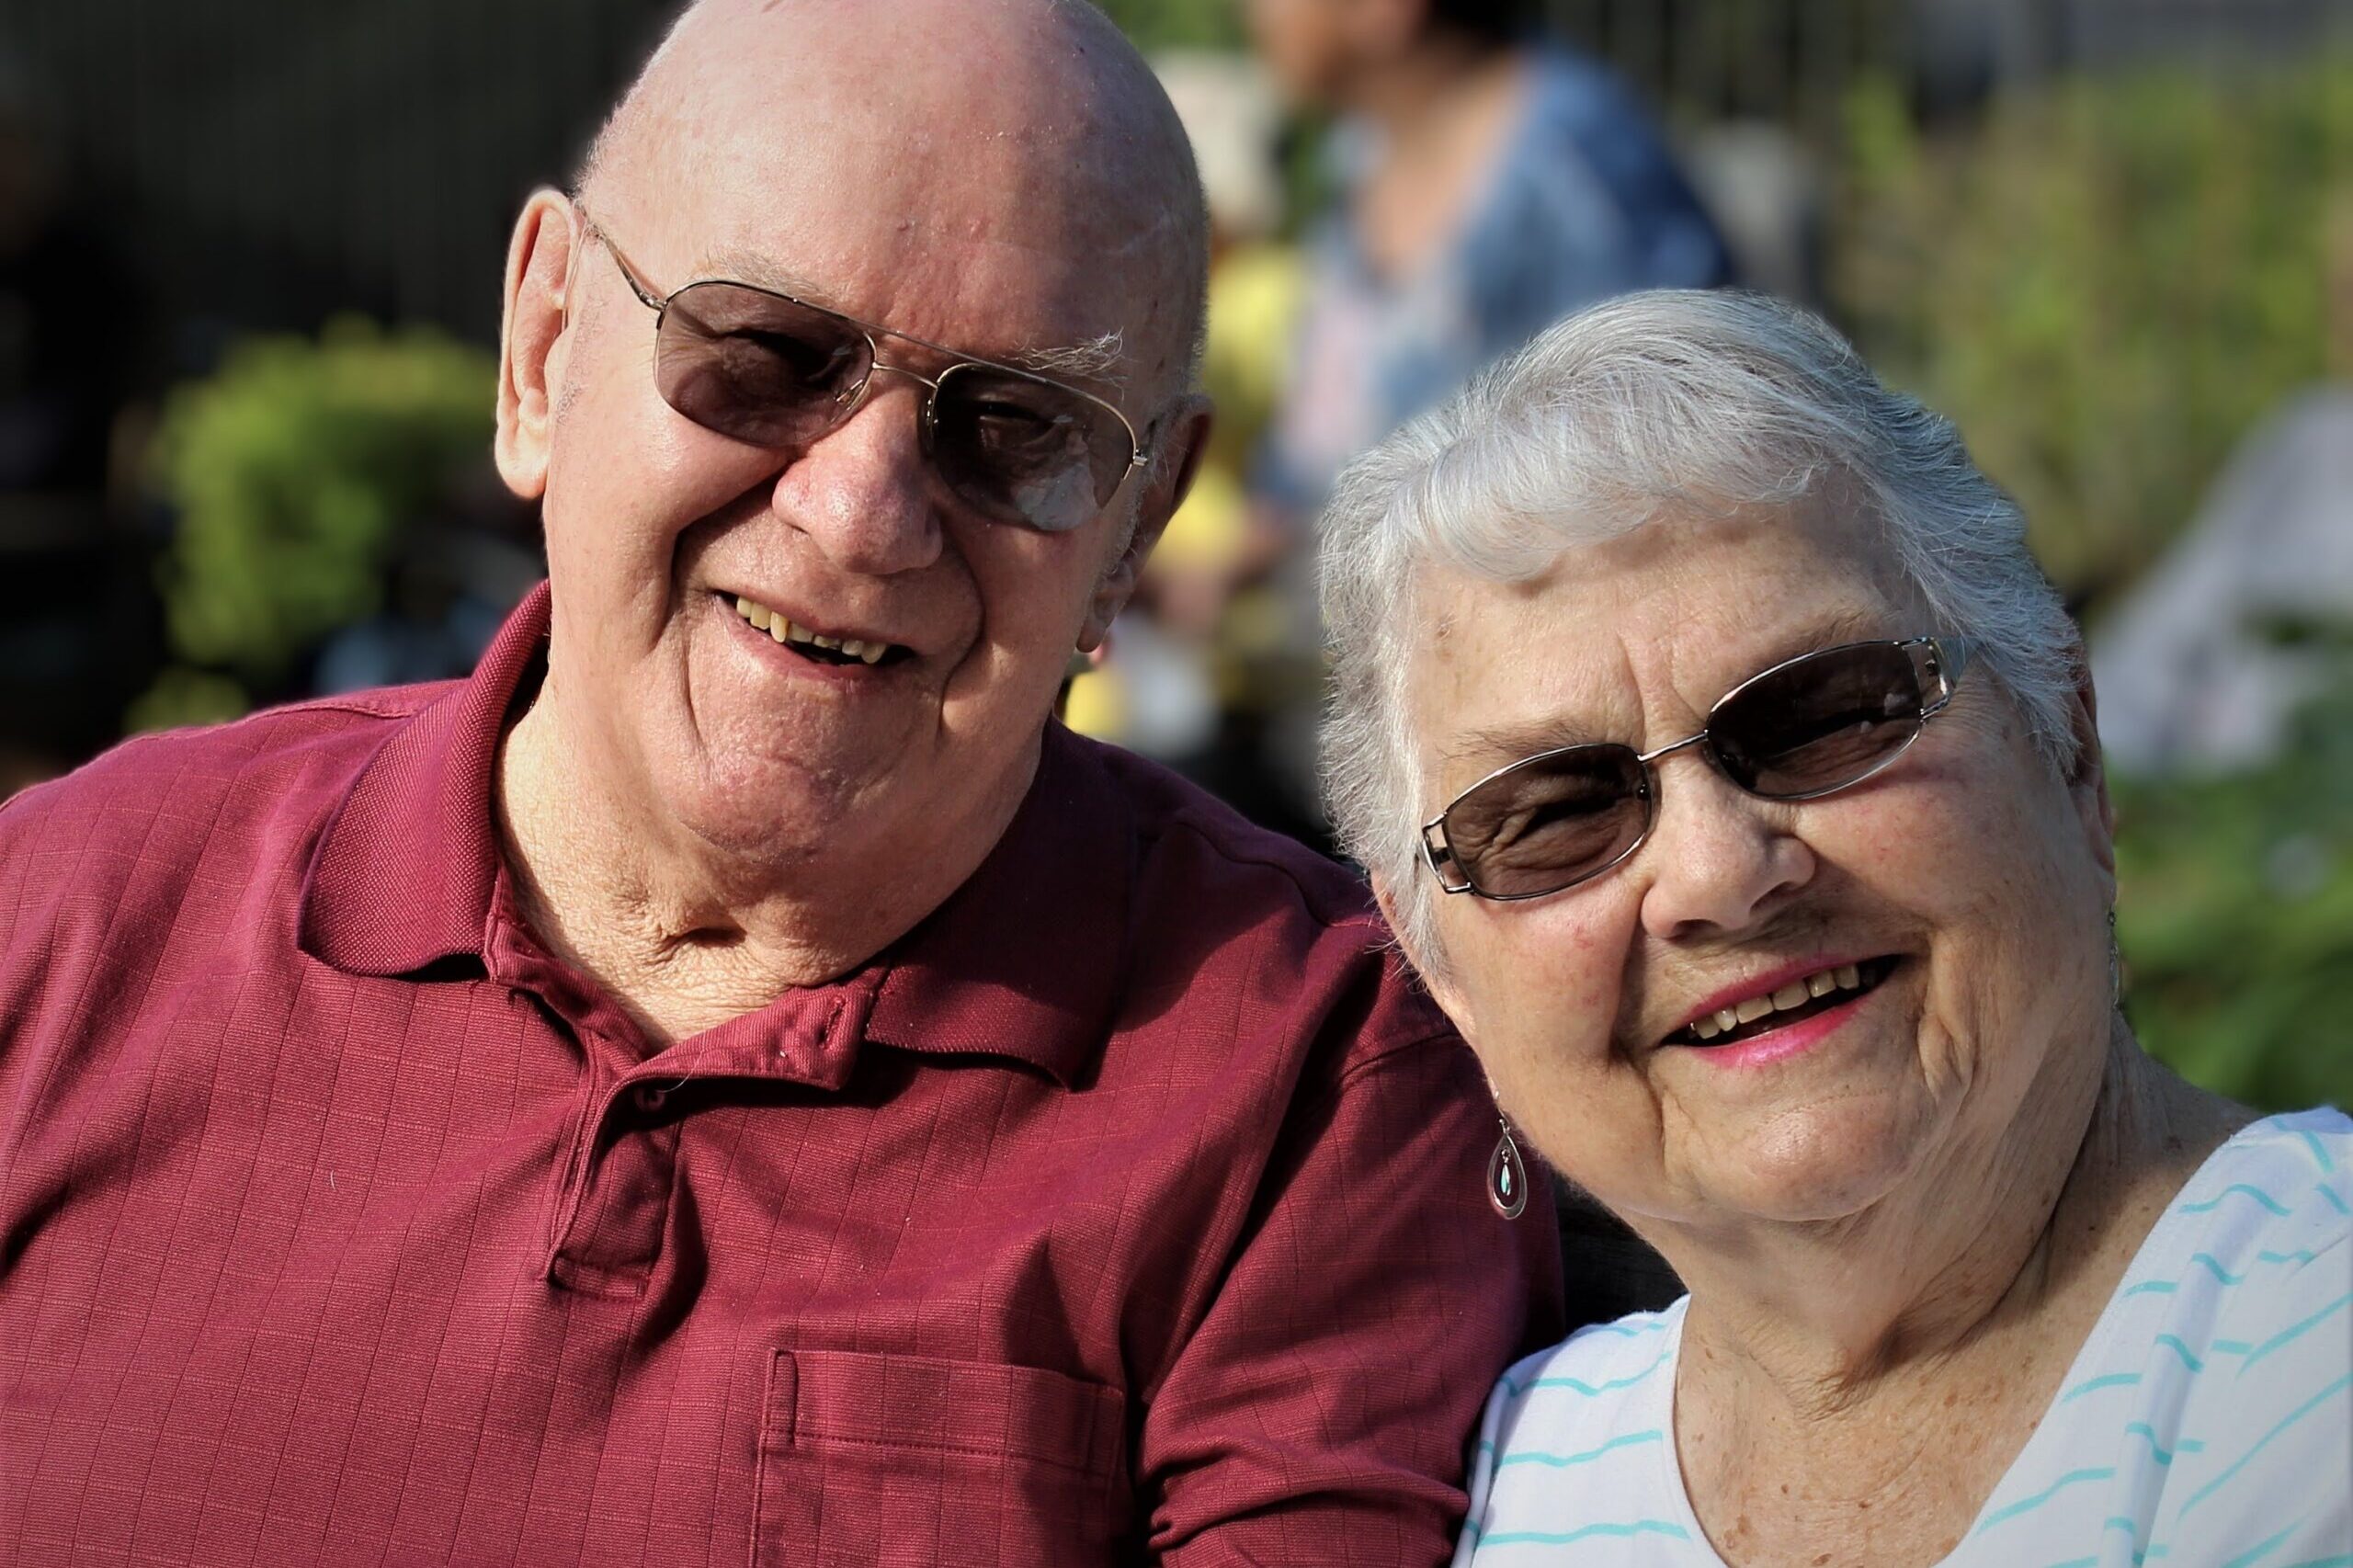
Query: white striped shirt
2207, 1422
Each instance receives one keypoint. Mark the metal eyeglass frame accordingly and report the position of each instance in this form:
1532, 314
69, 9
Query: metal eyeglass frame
1940, 658
849, 405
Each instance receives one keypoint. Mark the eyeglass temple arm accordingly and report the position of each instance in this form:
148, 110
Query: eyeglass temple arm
1948, 656
1440, 854
589, 228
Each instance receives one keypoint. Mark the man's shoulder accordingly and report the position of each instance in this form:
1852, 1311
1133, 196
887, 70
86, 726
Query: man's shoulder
162, 798
1231, 902
1174, 815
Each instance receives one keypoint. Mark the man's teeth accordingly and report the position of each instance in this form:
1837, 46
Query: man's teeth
1845, 977
785, 630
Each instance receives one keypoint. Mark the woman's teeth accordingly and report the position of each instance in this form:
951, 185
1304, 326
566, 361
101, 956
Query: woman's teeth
787, 631
1796, 993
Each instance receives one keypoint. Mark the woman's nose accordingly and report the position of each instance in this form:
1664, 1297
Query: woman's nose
1717, 857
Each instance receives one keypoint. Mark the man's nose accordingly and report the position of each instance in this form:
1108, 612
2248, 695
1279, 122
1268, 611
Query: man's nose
1717, 857
864, 490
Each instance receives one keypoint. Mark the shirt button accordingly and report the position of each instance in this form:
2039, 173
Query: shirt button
650, 1097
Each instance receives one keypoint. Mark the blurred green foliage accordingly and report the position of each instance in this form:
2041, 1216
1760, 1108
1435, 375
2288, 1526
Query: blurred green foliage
2235, 915
2107, 284
1179, 23
2104, 284
290, 472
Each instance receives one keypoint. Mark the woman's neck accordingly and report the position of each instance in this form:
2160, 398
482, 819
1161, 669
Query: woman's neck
1827, 1369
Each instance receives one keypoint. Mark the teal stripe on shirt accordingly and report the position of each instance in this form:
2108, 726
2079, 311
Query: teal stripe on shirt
2260, 1549
2340, 1386
2109, 1380
2029, 1505
2214, 1266
1588, 1390
2216, 1201
1561, 1462
2294, 1332
1540, 1538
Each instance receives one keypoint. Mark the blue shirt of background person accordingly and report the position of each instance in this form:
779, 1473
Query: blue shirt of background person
1585, 202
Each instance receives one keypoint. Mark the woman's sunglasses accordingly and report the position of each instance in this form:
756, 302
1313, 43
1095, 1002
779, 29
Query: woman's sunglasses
761, 367
1806, 727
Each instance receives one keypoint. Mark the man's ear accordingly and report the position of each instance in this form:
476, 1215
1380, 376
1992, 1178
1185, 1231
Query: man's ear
539, 272
1168, 478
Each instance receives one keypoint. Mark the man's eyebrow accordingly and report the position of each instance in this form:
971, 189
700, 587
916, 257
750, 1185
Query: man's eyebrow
1100, 358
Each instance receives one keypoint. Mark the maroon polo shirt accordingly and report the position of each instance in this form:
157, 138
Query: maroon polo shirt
1128, 1208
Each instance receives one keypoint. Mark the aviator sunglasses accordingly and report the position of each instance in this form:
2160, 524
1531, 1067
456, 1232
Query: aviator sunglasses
757, 366
1804, 727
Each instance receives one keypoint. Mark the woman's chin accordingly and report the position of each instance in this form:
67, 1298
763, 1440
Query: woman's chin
1815, 1166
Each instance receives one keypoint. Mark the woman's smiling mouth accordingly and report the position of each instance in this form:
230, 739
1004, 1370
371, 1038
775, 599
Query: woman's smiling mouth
1792, 1001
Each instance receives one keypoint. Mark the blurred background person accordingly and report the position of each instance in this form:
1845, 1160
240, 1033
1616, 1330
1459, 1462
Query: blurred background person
1487, 181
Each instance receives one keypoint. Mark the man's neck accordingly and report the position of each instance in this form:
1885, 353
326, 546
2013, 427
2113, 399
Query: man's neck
683, 936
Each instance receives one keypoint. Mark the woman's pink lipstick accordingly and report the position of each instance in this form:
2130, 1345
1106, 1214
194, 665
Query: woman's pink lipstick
1784, 1040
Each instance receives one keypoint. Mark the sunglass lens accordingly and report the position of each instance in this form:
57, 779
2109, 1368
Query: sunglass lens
1550, 823
1819, 722
1025, 450
756, 366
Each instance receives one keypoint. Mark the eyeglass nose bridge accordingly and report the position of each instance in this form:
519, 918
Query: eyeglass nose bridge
847, 403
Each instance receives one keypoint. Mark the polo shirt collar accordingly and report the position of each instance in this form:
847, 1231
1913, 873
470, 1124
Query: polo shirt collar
402, 876
1025, 961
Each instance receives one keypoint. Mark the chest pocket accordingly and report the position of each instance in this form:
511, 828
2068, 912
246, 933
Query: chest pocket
911, 1461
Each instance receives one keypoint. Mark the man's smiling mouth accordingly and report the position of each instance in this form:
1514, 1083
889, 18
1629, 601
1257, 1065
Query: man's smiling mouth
814, 645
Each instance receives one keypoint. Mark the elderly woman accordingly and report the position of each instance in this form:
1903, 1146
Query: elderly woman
1728, 770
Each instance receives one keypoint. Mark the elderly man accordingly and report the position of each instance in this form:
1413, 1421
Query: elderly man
731, 1082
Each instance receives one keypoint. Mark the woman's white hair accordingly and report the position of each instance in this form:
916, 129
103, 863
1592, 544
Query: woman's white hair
1673, 399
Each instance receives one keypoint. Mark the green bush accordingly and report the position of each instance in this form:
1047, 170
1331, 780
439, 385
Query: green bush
2235, 915
2106, 284
1179, 23
291, 473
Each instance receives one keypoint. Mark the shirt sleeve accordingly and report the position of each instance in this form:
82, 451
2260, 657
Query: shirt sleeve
2265, 1474
1321, 1413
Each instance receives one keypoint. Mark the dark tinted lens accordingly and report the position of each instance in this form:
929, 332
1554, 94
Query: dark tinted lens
1025, 451
756, 366
1820, 722
1552, 821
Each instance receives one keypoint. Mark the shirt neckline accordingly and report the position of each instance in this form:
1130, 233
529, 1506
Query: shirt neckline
1027, 960
2103, 1332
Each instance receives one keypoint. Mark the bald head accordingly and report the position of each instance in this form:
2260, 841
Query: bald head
1030, 124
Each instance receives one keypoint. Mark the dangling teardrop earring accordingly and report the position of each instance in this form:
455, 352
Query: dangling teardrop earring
1508, 1176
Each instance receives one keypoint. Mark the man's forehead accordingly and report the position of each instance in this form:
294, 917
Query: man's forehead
996, 168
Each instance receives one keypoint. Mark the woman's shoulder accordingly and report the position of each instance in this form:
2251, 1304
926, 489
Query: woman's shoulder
2287, 1172
1587, 1380
2234, 1358
1577, 1445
